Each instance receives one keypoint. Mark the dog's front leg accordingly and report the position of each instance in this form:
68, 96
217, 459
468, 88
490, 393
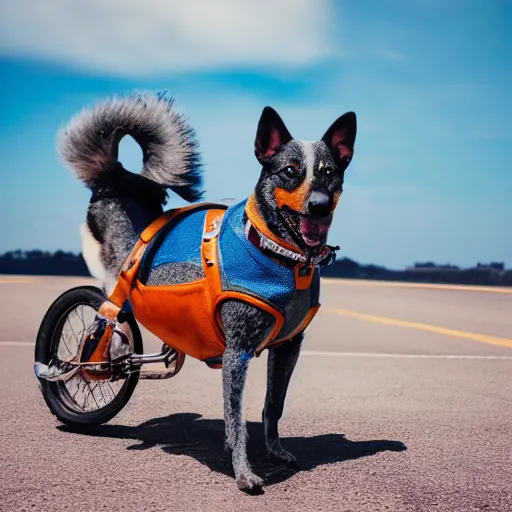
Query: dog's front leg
245, 328
281, 363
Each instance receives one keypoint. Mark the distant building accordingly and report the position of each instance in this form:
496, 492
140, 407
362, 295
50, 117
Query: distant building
493, 265
432, 267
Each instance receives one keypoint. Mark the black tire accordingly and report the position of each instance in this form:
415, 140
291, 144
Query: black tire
55, 394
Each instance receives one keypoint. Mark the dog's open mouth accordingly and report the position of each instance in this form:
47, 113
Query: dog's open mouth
311, 231
314, 231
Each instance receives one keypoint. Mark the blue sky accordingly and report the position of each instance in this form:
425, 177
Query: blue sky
429, 80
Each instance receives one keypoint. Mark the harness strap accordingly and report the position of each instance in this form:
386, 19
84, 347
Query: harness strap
210, 256
131, 265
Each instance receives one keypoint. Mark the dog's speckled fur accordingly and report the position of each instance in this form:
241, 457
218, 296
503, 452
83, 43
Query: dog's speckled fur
281, 363
122, 204
176, 273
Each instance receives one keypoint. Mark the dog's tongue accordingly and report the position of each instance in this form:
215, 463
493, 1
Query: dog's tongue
314, 232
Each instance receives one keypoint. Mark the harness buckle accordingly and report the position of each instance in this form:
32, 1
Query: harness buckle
210, 234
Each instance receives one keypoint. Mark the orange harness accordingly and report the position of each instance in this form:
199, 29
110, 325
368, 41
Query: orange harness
187, 316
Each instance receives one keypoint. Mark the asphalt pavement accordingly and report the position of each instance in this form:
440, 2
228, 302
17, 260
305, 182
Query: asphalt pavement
383, 365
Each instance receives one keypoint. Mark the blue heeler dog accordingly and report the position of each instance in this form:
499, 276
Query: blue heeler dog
270, 244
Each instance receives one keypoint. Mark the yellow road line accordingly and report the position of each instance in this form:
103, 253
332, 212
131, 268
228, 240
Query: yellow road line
482, 338
395, 284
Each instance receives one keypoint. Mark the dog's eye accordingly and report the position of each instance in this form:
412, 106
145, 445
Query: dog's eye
291, 170
329, 171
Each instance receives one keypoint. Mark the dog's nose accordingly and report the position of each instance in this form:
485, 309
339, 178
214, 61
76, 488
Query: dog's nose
320, 204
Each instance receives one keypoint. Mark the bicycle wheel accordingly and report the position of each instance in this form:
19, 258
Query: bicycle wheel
81, 401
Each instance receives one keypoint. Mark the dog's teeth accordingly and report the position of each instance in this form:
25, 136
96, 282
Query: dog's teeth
248, 226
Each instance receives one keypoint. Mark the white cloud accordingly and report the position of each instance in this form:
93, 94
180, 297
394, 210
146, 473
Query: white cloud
152, 37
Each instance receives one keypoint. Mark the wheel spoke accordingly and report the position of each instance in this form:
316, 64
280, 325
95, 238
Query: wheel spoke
91, 390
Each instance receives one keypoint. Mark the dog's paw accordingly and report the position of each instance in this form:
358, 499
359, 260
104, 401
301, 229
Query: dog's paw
249, 482
284, 458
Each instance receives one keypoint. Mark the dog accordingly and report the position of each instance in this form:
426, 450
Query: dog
266, 261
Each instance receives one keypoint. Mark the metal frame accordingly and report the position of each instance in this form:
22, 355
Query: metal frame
62, 371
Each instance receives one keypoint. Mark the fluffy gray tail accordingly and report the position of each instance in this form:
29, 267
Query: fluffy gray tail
88, 145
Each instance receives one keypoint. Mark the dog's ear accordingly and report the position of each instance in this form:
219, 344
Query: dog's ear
340, 137
270, 136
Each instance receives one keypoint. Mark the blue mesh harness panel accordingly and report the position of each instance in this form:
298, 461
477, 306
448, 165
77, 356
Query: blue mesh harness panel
183, 242
245, 268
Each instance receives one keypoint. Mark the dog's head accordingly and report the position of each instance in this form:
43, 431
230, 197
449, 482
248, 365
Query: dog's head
301, 182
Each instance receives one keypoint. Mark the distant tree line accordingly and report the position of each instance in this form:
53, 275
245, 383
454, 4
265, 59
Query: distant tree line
493, 274
63, 263
38, 262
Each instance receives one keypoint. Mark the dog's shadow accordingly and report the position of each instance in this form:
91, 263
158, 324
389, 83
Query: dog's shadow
203, 439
